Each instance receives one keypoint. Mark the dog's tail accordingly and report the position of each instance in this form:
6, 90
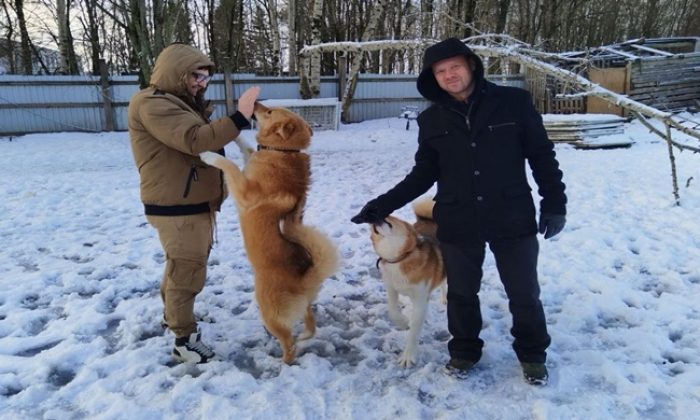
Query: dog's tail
323, 253
425, 226
423, 207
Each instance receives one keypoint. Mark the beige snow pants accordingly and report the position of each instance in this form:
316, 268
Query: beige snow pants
186, 242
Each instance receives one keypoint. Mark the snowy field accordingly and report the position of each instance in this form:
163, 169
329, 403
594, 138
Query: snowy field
80, 307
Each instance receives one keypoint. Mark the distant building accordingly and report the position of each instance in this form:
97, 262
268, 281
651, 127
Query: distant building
11, 59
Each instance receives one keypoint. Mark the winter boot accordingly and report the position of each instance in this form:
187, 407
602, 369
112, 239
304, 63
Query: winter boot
535, 373
459, 368
190, 349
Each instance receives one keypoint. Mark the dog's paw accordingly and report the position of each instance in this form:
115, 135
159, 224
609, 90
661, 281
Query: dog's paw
407, 359
209, 158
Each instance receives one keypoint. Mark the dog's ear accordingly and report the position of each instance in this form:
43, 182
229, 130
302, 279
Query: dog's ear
285, 130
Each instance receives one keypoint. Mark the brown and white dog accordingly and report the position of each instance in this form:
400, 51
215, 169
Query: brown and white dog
411, 264
290, 260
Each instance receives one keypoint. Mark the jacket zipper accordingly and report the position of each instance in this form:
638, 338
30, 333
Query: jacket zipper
493, 127
192, 177
466, 117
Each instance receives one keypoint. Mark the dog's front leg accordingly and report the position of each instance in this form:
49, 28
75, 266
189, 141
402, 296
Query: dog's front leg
235, 178
420, 305
392, 297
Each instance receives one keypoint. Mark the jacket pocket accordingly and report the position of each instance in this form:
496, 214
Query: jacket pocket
508, 124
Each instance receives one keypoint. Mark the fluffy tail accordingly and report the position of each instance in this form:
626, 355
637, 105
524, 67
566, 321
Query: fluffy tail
324, 255
423, 207
425, 226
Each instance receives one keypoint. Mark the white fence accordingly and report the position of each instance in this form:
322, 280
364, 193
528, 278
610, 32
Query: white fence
35, 104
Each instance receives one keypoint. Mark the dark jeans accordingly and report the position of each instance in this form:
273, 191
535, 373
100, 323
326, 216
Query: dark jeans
516, 260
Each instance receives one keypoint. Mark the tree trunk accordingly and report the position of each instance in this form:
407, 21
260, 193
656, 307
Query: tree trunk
140, 39
211, 31
9, 52
310, 82
650, 19
25, 42
93, 36
275, 35
158, 20
502, 17
468, 18
69, 62
292, 36
426, 19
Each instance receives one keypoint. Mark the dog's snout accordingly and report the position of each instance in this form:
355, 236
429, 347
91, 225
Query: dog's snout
258, 107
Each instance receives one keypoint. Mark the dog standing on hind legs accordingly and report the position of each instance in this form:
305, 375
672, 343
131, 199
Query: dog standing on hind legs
290, 260
411, 264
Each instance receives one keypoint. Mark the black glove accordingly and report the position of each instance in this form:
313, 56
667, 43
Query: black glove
551, 224
369, 214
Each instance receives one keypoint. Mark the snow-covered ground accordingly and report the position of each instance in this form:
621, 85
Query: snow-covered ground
80, 308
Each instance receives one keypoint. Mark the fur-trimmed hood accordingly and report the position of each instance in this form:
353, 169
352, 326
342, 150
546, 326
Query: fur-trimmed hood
451, 47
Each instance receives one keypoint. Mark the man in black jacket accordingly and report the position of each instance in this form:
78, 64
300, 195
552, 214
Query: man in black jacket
473, 141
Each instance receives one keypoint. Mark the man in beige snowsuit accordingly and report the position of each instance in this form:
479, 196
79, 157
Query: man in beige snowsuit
169, 127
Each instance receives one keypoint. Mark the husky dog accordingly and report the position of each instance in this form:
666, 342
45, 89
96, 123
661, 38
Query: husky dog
411, 265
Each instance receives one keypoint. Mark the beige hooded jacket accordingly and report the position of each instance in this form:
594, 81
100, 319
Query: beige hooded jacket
167, 135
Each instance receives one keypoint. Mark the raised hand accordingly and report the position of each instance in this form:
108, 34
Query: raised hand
247, 101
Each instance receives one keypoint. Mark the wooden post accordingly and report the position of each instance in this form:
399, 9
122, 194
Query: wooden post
228, 91
342, 75
106, 96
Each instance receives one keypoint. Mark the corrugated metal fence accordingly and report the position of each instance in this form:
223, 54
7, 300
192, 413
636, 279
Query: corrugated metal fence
35, 104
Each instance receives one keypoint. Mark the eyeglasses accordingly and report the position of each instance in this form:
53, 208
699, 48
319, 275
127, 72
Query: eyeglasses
199, 77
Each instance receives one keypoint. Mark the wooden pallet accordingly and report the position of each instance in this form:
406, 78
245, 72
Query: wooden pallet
587, 131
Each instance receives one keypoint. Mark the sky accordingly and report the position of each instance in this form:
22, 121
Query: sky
80, 307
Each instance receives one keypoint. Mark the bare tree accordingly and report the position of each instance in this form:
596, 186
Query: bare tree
69, 61
274, 30
426, 18
91, 31
358, 57
310, 82
651, 13
502, 15
8, 51
25, 41
138, 32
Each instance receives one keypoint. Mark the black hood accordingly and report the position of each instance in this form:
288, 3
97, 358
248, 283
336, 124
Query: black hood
451, 47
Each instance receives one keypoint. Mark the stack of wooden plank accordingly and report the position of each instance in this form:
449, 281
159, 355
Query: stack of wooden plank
587, 131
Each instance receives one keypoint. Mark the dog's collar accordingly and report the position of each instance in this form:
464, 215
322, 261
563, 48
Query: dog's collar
397, 260
277, 149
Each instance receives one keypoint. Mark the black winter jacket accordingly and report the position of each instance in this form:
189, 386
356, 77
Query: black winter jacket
478, 162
